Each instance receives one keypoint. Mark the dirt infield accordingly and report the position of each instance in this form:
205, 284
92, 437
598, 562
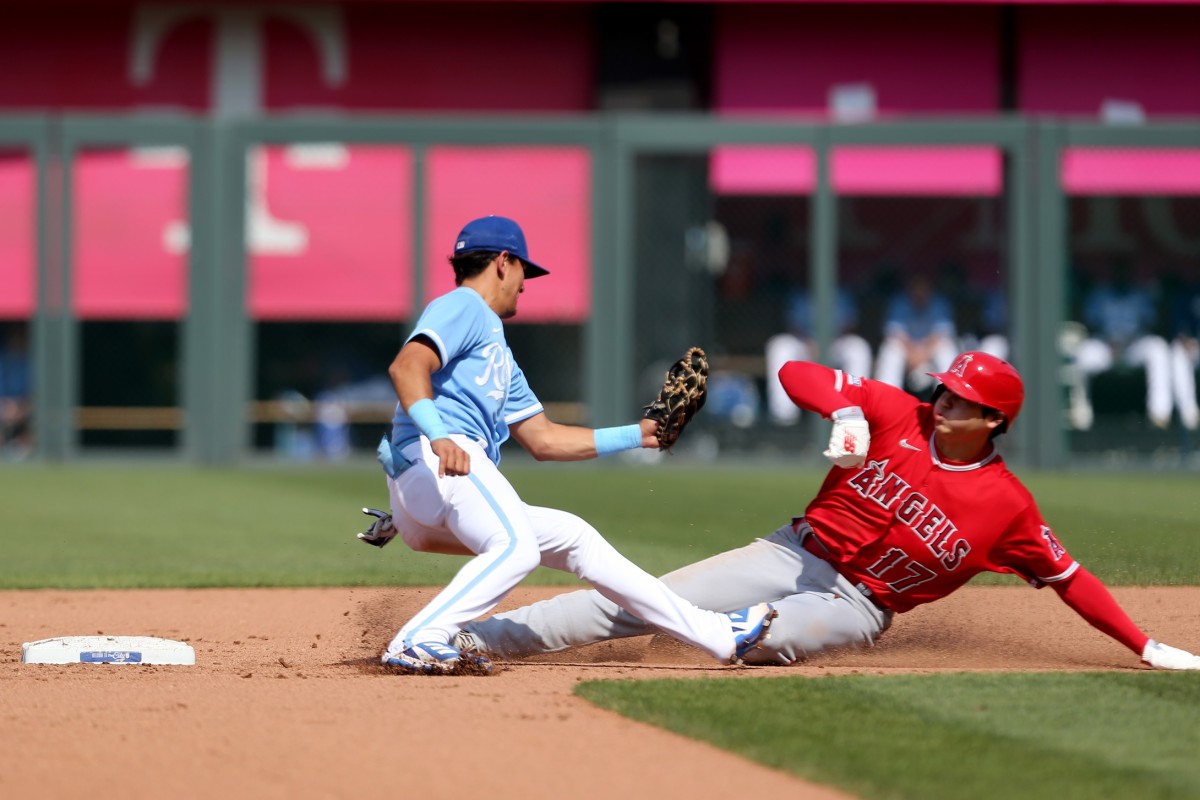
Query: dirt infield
286, 700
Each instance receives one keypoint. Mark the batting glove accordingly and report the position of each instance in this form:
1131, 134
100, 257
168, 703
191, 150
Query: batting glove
1162, 656
381, 531
850, 439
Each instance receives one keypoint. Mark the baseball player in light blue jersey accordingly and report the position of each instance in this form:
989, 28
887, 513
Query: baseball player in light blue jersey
461, 396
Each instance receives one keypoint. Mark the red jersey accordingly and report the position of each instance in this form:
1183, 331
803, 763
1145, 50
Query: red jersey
909, 526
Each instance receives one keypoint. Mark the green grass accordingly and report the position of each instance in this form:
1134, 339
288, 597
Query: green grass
137, 525
978, 736
1135, 528
956, 736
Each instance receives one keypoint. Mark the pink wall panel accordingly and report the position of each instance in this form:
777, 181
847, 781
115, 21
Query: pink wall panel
338, 243
1141, 56
763, 171
328, 235
936, 171
442, 56
80, 59
18, 250
325, 241
1070, 61
1131, 172
546, 190
918, 58
351, 260
397, 56
128, 259
913, 171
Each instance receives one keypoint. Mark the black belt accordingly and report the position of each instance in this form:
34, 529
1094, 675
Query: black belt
812, 544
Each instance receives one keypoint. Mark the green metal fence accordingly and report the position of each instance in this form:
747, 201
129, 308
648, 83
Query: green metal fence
218, 348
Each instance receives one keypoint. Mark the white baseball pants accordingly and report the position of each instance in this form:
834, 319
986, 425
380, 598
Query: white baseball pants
818, 608
1152, 353
482, 512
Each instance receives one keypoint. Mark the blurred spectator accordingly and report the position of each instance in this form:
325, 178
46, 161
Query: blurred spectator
733, 398
1185, 349
983, 324
1120, 315
15, 408
848, 352
293, 439
335, 407
993, 322
919, 336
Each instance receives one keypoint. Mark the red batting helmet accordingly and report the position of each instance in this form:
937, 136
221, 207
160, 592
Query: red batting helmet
987, 380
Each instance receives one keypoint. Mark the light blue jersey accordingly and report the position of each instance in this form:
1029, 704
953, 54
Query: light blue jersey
479, 390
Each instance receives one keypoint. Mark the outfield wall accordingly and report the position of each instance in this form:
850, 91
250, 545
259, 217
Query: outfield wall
217, 221
649, 257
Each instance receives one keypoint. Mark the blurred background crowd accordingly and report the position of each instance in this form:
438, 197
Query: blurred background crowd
134, 316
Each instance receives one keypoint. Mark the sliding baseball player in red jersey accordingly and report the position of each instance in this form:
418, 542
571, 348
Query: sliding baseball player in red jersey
918, 502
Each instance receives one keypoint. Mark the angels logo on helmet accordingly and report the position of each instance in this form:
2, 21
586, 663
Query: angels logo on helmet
959, 367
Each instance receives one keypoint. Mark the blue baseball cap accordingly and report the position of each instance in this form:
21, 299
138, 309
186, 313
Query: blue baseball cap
494, 234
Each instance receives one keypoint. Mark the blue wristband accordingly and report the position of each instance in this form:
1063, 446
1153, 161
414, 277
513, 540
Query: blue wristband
425, 416
614, 440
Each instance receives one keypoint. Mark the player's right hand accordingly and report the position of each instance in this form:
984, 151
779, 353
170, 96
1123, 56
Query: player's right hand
452, 459
1163, 656
381, 531
850, 438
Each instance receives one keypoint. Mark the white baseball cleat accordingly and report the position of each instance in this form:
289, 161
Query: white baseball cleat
750, 628
433, 658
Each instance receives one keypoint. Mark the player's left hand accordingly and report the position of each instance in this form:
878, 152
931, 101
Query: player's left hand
850, 438
1163, 656
649, 433
681, 397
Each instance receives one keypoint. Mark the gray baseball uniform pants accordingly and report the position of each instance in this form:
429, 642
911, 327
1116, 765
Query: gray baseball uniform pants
818, 608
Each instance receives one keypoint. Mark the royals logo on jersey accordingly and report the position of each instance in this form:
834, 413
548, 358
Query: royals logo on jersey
497, 371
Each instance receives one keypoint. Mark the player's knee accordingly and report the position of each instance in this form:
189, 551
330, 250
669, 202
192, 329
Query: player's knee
585, 547
520, 555
575, 529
